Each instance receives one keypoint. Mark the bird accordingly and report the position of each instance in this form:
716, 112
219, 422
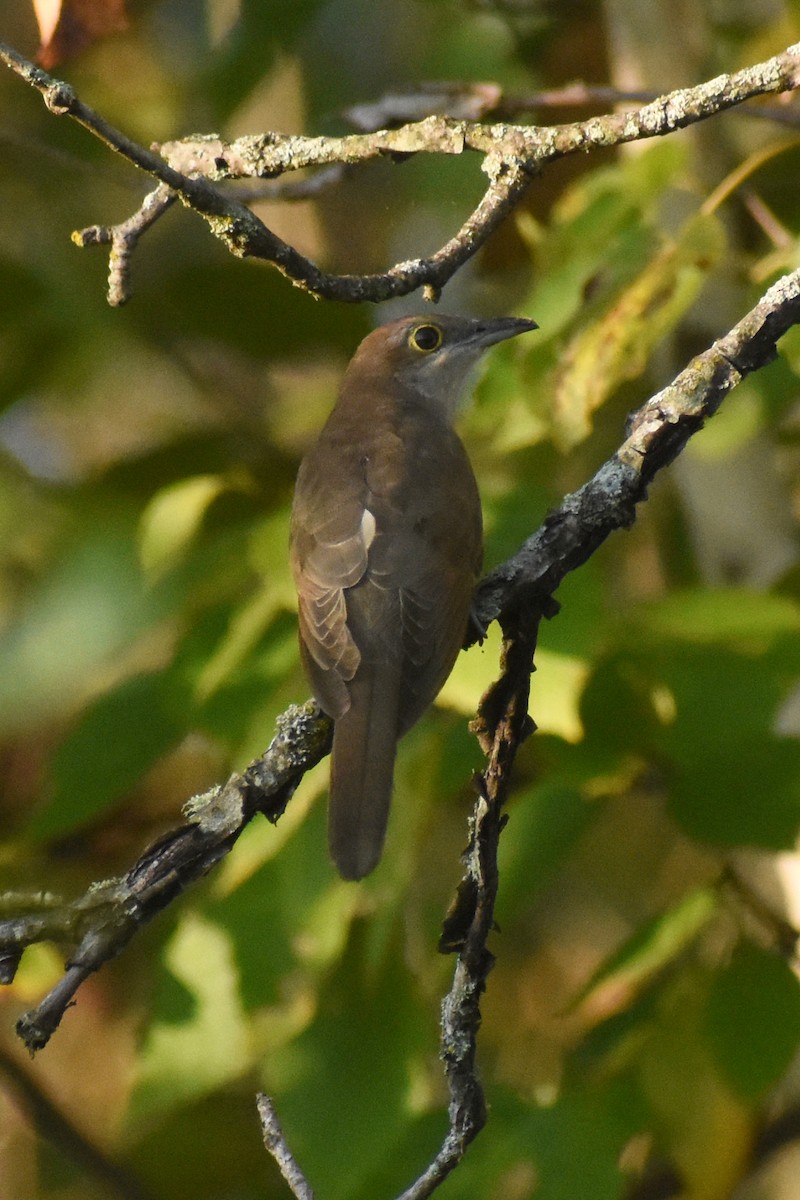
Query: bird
386, 547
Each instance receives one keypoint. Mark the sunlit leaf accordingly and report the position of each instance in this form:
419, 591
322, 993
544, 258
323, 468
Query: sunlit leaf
615, 347
711, 616
195, 1047
173, 517
87, 608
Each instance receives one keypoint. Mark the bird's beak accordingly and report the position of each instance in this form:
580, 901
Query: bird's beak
487, 333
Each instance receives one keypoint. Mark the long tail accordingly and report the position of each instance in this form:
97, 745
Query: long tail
364, 747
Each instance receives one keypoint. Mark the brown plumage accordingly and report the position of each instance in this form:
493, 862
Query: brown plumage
386, 549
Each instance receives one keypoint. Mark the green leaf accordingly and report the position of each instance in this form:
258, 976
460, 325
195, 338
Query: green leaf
731, 779
172, 518
753, 1020
194, 1046
544, 823
116, 740
345, 1081
742, 793
270, 25
708, 616
275, 907
87, 607
567, 1150
619, 708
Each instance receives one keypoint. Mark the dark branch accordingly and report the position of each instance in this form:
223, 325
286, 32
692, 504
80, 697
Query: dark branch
501, 726
101, 923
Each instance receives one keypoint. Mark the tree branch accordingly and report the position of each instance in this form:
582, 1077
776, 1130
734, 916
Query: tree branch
276, 1144
102, 921
513, 155
657, 433
124, 238
518, 593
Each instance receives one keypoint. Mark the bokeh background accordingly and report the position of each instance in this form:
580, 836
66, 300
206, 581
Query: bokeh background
642, 1021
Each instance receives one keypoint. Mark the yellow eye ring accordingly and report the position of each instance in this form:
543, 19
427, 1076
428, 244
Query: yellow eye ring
425, 338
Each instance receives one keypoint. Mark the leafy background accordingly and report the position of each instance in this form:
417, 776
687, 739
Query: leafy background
641, 1009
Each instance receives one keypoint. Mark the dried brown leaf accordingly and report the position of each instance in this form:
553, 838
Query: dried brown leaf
66, 27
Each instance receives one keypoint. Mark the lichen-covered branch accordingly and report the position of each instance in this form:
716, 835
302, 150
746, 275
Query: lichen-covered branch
102, 921
657, 433
270, 154
124, 238
513, 155
276, 1144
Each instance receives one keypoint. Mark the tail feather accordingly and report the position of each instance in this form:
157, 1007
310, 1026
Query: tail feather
364, 748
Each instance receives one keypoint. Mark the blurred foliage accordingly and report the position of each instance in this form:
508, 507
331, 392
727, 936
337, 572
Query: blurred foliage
641, 1015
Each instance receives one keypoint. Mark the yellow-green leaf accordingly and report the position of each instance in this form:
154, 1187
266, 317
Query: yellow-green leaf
616, 346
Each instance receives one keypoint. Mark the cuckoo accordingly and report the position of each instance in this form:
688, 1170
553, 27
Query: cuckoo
386, 548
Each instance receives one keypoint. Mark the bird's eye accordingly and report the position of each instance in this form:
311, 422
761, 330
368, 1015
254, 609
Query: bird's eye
426, 338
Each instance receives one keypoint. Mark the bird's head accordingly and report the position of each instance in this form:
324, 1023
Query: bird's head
432, 356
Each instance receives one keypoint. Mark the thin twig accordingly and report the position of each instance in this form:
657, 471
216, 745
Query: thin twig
275, 1142
274, 190
107, 917
124, 238
482, 101
657, 433
270, 154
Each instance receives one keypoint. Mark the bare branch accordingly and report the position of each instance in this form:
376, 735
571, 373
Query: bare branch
532, 146
482, 101
124, 239
518, 593
501, 726
102, 922
513, 154
294, 189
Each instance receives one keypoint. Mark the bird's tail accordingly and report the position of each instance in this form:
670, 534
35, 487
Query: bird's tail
364, 747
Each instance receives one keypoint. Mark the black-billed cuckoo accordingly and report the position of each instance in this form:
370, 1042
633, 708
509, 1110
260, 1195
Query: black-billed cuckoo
386, 549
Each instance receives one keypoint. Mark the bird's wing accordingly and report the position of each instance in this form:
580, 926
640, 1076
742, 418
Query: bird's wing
423, 567
385, 569
332, 531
